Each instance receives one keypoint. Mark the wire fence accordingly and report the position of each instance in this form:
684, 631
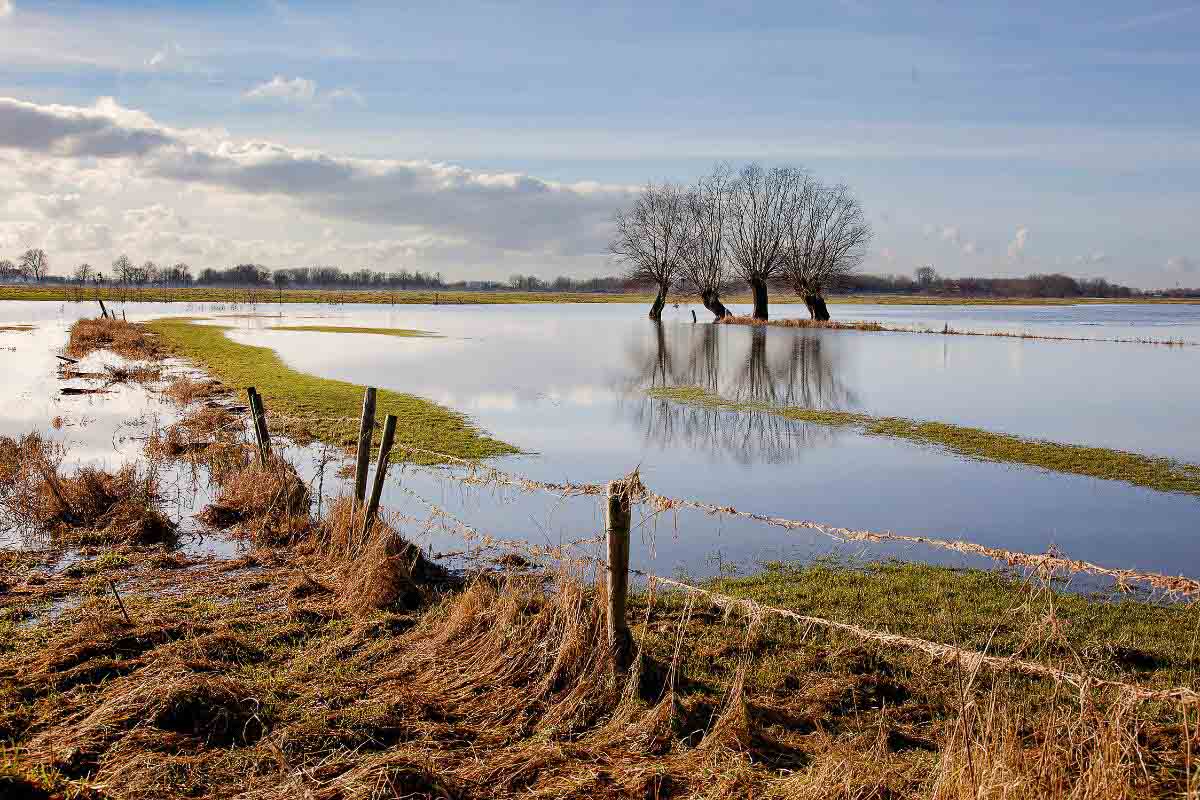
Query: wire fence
630, 490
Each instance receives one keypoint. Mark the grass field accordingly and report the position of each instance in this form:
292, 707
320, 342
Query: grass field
207, 294
1161, 474
320, 408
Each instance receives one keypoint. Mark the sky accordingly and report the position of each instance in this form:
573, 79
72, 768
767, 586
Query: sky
480, 140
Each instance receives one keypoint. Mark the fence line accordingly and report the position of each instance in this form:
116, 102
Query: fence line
621, 494
1050, 562
470, 534
972, 658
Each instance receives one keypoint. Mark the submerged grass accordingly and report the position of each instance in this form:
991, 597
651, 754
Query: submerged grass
402, 332
1160, 474
320, 408
945, 330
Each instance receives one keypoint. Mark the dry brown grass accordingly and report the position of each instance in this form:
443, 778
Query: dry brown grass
378, 571
803, 323
89, 506
260, 683
128, 339
131, 373
185, 390
266, 503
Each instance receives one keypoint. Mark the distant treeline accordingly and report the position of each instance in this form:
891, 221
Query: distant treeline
927, 281
32, 267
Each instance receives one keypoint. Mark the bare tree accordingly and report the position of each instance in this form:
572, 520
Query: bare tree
151, 273
706, 208
122, 268
8, 270
34, 263
759, 203
826, 242
83, 273
650, 239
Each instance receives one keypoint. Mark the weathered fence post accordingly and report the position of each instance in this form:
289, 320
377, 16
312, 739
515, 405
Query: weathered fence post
365, 427
258, 416
616, 527
103, 310
385, 451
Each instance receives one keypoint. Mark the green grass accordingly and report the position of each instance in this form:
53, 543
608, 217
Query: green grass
402, 332
329, 407
211, 294
980, 610
1160, 474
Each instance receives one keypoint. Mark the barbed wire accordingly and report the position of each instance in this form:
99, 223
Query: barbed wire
480, 474
973, 659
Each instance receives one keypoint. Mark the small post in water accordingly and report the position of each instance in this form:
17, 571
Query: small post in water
385, 451
365, 428
103, 310
616, 526
258, 419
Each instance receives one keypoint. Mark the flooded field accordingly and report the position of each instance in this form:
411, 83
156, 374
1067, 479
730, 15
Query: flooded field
567, 386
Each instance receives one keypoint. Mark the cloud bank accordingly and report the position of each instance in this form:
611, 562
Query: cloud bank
428, 201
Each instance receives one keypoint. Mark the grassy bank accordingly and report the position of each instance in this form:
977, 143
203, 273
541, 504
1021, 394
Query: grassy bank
329, 408
401, 332
252, 676
1161, 474
209, 294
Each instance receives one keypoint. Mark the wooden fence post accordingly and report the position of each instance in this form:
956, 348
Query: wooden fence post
365, 427
258, 416
616, 527
103, 310
385, 451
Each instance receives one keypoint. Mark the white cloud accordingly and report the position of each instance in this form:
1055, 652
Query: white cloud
417, 212
1016, 248
1181, 264
6, 8
300, 91
1097, 257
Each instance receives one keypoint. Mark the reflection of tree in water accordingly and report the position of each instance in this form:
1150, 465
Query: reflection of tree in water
778, 368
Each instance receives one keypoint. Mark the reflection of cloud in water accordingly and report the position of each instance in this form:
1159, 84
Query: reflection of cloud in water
774, 367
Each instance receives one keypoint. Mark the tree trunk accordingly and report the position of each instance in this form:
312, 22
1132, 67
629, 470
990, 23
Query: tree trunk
759, 288
816, 307
712, 301
659, 301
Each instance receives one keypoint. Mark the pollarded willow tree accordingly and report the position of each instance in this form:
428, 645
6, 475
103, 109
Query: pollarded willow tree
706, 212
826, 240
760, 203
649, 239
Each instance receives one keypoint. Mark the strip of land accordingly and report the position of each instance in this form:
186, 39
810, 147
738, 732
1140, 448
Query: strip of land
320, 408
1160, 474
264, 296
401, 332
945, 330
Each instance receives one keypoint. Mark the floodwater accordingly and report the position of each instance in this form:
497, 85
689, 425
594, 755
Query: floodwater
566, 385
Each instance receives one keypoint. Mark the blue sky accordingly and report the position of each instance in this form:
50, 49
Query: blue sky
984, 139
